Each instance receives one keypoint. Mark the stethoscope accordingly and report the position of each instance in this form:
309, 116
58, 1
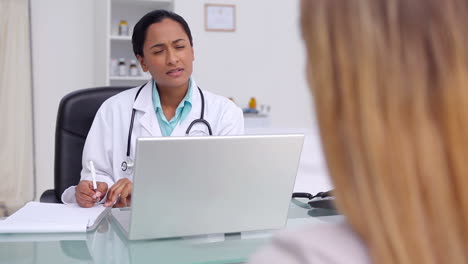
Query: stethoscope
128, 163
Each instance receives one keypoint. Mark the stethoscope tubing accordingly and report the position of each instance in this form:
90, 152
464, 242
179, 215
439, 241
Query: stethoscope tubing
124, 166
130, 129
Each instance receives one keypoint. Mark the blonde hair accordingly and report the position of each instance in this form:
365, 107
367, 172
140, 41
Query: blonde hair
390, 83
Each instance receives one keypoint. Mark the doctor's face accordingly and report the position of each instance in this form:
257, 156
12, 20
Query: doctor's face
168, 55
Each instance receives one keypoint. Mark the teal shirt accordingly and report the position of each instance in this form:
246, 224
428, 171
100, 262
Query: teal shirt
183, 109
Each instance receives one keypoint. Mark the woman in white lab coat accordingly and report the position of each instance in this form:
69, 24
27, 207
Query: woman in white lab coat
167, 106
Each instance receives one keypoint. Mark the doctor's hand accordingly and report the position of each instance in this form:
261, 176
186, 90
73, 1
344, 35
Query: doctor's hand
122, 187
86, 196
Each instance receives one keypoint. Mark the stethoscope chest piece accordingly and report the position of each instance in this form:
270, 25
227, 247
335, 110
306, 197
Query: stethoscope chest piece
126, 165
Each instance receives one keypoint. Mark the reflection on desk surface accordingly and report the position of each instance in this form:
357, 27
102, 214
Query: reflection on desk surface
107, 244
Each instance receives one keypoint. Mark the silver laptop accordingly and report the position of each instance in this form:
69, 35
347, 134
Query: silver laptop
186, 186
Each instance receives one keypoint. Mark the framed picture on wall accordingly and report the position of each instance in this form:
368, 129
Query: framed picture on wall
220, 17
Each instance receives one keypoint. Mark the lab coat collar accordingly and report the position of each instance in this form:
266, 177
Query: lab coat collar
144, 103
149, 120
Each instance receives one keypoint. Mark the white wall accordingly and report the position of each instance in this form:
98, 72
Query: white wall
62, 51
264, 58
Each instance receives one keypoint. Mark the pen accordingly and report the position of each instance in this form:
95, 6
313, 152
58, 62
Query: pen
93, 174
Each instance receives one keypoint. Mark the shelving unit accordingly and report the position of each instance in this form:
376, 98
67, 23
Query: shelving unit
144, 77
109, 45
123, 38
256, 120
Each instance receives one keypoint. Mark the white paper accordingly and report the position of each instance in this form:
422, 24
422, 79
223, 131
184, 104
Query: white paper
37, 217
42, 237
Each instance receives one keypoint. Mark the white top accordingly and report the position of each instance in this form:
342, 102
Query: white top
331, 243
106, 143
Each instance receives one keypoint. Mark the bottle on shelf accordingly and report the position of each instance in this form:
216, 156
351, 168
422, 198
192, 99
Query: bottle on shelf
252, 108
122, 67
114, 65
133, 69
253, 103
123, 28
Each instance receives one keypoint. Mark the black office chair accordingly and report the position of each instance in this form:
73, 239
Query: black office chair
74, 118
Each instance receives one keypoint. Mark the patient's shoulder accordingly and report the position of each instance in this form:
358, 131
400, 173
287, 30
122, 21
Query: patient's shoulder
328, 242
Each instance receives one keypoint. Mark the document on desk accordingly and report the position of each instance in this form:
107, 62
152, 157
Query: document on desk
37, 217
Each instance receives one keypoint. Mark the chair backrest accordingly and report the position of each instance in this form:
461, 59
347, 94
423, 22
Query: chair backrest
75, 115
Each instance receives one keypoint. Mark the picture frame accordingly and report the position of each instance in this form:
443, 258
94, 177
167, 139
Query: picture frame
220, 17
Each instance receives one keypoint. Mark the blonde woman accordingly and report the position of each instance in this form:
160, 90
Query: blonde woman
390, 82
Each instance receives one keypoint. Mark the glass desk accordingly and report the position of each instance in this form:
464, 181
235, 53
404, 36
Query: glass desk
107, 244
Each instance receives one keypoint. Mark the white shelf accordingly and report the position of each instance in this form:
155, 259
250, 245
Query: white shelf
115, 37
256, 120
144, 3
110, 45
256, 115
129, 78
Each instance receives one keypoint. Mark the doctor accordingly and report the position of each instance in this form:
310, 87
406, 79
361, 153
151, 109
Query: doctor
165, 106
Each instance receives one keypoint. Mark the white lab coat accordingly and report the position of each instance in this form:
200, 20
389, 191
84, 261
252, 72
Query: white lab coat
106, 144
